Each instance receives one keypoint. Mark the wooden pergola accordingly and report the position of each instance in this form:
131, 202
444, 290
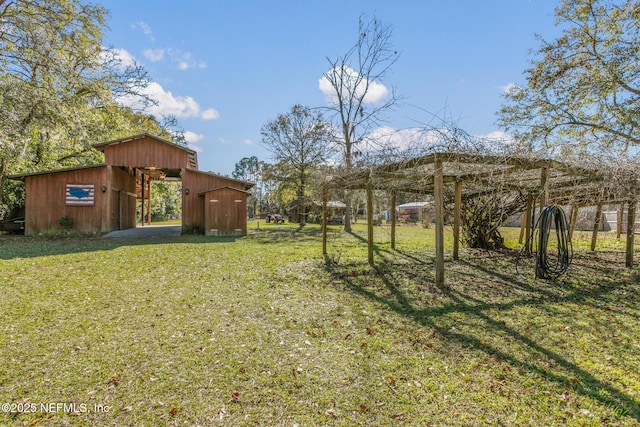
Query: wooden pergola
458, 176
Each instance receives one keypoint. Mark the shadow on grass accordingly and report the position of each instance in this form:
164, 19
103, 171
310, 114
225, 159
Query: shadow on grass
29, 247
529, 355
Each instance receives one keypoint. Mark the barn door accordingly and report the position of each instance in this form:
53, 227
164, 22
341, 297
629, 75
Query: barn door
240, 214
232, 212
114, 215
226, 213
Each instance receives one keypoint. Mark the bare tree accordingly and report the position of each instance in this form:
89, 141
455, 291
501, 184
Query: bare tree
358, 99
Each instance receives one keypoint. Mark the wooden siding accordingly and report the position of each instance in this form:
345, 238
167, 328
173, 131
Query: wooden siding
146, 152
193, 206
225, 212
113, 209
45, 201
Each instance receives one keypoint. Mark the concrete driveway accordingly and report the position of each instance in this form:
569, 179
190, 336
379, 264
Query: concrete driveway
147, 231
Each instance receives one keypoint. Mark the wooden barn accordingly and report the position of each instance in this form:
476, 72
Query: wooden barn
103, 198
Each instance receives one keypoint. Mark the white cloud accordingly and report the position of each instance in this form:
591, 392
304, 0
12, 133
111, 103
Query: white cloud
403, 139
209, 114
192, 139
353, 82
247, 142
185, 60
222, 140
170, 104
181, 107
146, 29
417, 141
126, 58
509, 88
496, 141
154, 55
179, 58
496, 135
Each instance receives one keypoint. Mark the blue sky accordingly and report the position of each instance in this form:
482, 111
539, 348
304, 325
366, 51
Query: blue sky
224, 68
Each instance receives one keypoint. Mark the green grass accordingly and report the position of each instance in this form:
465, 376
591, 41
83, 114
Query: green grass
262, 330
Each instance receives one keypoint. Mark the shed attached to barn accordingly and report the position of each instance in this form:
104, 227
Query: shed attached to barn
102, 198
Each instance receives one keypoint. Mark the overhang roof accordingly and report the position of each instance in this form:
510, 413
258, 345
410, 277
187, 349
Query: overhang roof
247, 184
21, 177
224, 187
100, 146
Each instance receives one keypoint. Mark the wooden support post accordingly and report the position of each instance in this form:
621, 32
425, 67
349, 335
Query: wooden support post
523, 225
533, 224
596, 226
631, 228
573, 219
619, 219
149, 207
438, 177
530, 214
456, 219
394, 195
142, 188
370, 222
325, 197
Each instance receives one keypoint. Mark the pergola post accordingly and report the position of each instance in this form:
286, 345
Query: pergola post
370, 221
142, 188
531, 223
456, 219
325, 197
149, 206
394, 195
631, 228
619, 219
573, 219
525, 227
596, 226
438, 178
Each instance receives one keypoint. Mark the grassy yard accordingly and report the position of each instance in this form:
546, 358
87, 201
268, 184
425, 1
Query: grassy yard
262, 330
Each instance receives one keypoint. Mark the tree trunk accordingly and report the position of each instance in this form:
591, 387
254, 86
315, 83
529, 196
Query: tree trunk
347, 212
3, 175
347, 199
303, 219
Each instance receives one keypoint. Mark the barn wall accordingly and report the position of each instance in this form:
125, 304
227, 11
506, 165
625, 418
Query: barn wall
146, 152
45, 201
193, 204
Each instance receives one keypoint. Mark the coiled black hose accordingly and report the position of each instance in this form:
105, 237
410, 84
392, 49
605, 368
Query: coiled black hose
550, 267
